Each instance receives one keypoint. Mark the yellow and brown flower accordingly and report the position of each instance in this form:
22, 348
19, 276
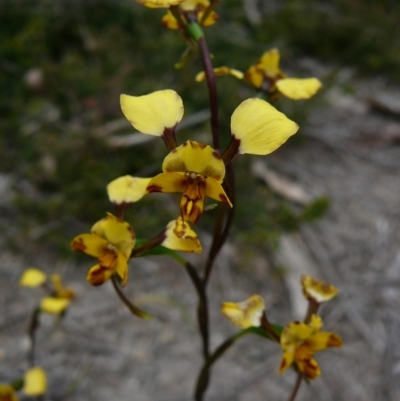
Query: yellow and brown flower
266, 75
197, 171
299, 341
111, 241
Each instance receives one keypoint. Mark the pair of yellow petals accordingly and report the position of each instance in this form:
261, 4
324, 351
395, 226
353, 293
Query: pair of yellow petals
195, 169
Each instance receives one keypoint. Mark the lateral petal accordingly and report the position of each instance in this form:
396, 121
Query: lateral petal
167, 183
122, 268
260, 128
90, 244
127, 189
324, 340
215, 191
296, 88
152, 114
287, 359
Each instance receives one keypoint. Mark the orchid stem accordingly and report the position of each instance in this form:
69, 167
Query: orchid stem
296, 387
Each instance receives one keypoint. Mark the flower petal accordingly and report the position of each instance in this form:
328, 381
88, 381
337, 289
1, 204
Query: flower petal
255, 76
159, 3
116, 232
215, 191
294, 333
260, 128
324, 340
152, 114
269, 63
54, 305
167, 183
32, 277
90, 244
295, 88
287, 359
7, 393
98, 275
246, 313
122, 268
169, 21
195, 157
127, 189
309, 367
219, 71
192, 209
59, 289
317, 290
35, 382
180, 237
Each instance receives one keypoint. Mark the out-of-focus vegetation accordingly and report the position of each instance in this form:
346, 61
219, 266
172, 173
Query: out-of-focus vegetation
64, 63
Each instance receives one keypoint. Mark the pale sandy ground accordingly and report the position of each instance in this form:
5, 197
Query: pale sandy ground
99, 352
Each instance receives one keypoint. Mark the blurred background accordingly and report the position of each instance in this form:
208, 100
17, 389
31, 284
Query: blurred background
327, 203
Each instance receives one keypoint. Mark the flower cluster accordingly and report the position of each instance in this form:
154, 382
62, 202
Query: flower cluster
299, 340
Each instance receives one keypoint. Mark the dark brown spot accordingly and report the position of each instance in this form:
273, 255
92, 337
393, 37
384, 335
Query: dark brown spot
334, 341
77, 245
223, 198
154, 188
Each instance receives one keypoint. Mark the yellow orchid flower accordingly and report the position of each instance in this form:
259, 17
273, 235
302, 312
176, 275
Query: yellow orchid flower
180, 237
299, 341
245, 314
159, 3
111, 241
127, 189
266, 75
317, 290
35, 382
60, 296
197, 171
7, 393
197, 7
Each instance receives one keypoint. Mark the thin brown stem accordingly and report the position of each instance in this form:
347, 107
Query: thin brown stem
202, 309
296, 387
223, 223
